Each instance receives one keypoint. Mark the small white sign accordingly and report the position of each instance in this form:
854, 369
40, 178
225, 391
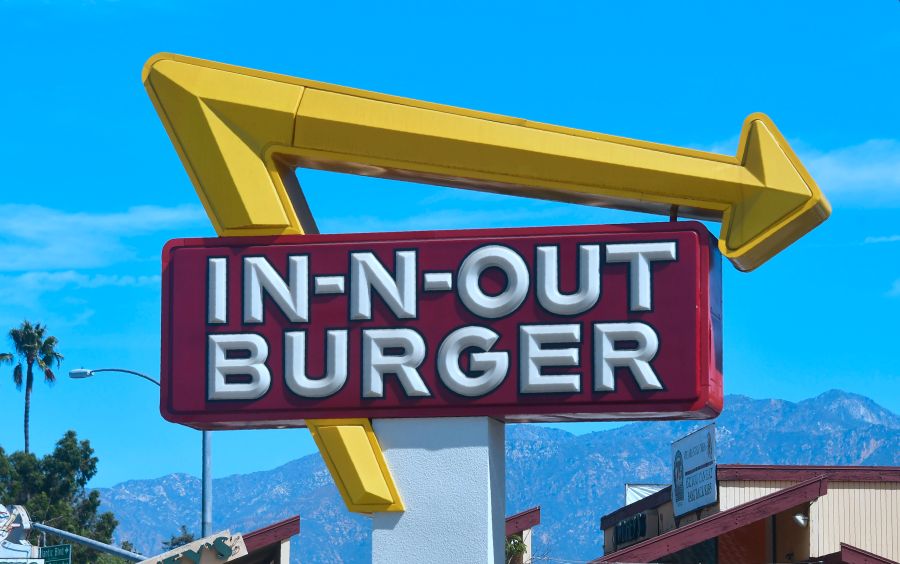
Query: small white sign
694, 471
21, 560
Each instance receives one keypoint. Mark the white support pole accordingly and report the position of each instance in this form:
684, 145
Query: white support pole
450, 474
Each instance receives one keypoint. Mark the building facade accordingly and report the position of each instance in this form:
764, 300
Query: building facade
767, 514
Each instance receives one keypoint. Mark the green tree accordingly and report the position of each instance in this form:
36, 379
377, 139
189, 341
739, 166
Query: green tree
110, 559
182, 538
515, 549
32, 347
52, 489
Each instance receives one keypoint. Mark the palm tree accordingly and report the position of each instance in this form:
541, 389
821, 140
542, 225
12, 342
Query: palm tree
31, 347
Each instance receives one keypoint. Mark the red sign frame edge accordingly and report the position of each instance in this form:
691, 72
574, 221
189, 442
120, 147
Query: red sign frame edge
710, 398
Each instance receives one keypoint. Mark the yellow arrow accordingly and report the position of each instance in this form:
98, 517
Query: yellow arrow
241, 133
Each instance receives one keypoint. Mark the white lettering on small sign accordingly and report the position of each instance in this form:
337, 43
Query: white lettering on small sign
694, 471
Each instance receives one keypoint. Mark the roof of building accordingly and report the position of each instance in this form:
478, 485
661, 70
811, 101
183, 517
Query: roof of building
523, 521
851, 555
753, 472
652, 501
263, 545
761, 472
721, 523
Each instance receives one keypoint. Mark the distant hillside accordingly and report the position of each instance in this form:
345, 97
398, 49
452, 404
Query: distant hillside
575, 479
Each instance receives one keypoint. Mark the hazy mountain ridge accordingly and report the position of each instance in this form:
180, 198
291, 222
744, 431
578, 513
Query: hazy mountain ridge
576, 479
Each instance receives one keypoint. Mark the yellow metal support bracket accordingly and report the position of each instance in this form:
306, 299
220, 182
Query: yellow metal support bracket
242, 199
353, 456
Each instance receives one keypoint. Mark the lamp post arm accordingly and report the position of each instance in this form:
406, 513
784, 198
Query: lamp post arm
125, 370
90, 543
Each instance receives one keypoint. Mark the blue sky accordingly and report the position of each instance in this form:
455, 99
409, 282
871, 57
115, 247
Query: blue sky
91, 187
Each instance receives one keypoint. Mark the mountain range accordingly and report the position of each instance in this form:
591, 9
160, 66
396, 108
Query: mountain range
575, 479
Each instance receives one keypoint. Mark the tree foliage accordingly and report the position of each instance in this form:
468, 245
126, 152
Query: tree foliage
515, 549
110, 559
53, 490
32, 347
183, 537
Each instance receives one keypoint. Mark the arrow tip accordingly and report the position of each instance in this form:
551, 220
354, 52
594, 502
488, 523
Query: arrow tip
787, 206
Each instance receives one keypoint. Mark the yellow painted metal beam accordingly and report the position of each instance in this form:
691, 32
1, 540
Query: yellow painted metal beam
353, 456
220, 125
241, 132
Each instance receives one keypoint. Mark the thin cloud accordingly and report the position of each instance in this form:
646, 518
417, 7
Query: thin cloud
882, 239
37, 238
56, 264
895, 289
51, 281
55, 318
869, 172
27, 289
726, 147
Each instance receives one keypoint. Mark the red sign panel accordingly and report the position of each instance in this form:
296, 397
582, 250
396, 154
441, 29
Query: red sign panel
536, 324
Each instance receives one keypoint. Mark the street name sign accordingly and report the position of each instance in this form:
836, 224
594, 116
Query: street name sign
534, 324
57, 554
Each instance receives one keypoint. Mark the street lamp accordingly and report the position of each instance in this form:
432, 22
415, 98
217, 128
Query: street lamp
85, 373
206, 480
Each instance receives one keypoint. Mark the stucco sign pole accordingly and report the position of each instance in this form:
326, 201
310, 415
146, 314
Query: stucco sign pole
440, 337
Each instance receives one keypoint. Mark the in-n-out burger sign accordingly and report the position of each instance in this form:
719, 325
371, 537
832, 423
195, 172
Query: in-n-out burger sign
522, 324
